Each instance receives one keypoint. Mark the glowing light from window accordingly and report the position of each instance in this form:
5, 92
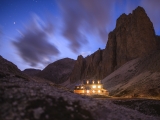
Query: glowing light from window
81, 87
93, 91
98, 82
87, 91
77, 87
99, 91
99, 86
94, 86
87, 81
93, 82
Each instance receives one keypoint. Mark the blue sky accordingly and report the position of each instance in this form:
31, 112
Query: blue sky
34, 33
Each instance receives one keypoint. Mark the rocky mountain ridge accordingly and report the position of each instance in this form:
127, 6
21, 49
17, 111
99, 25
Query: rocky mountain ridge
58, 71
133, 37
31, 71
8, 69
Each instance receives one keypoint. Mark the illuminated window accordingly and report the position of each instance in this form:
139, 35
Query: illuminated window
99, 86
87, 91
93, 82
81, 87
93, 91
99, 91
98, 82
87, 81
77, 87
94, 86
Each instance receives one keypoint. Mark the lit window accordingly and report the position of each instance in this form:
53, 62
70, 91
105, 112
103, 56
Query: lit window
93, 91
98, 82
81, 87
77, 87
99, 86
87, 91
94, 86
93, 82
99, 91
87, 81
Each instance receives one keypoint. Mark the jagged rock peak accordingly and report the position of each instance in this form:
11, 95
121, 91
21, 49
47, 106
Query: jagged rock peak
80, 57
139, 9
137, 13
133, 37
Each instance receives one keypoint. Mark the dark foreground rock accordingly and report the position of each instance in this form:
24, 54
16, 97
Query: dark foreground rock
28, 100
146, 106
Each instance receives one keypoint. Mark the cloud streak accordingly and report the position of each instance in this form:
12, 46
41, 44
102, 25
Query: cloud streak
1, 34
83, 17
33, 45
152, 8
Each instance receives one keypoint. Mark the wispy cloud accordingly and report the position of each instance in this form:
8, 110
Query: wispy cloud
84, 54
152, 8
33, 45
1, 34
83, 17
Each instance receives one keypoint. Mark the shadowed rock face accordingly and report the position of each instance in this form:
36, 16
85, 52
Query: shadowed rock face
78, 69
158, 41
133, 37
58, 71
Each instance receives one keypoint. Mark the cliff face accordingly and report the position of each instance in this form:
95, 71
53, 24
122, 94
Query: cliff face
158, 41
87, 67
133, 37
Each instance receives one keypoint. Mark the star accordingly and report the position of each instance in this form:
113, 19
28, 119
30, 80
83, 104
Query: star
14, 23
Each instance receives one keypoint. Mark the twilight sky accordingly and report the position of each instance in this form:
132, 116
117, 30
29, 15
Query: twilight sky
34, 33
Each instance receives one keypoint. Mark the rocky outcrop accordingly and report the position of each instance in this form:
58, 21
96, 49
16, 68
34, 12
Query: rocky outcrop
78, 69
133, 37
58, 71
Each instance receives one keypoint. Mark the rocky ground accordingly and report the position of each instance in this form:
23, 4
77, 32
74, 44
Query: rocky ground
22, 99
146, 106
137, 78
